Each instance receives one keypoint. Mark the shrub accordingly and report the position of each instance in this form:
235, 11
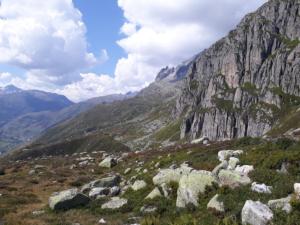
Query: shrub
246, 141
284, 143
2, 171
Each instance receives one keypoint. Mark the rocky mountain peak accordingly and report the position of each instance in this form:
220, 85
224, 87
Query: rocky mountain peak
241, 85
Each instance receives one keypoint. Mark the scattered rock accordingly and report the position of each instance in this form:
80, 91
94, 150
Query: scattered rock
246, 169
138, 185
114, 203
171, 175
31, 172
104, 182
153, 194
67, 199
199, 140
226, 154
297, 189
282, 204
191, 185
157, 165
102, 221
256, 213
148, 209
233, 162
261, 188
233, 179
108, 162
127, 171
215, 204
166, 190
38, 212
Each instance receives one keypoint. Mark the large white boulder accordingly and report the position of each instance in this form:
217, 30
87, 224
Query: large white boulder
233, 162
191, 185
103, 182
297, 190
233, 179
256, 213
67, 199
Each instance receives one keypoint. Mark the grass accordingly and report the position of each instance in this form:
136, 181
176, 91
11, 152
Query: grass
169, 132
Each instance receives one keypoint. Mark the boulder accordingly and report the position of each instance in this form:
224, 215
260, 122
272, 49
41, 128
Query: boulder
233, 179
171, 175
153, 194
98, 191
215, 204
233, 162
138, 185
256, 213
67, 199
108, 162
191, 185
246, 169
115, 203
261, 188
282, 204
103, 182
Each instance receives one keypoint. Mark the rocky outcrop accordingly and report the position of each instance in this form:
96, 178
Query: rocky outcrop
282, 204
238, 86
215, 204
233, 179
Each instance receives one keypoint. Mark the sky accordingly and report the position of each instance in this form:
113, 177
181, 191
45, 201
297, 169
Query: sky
84, 49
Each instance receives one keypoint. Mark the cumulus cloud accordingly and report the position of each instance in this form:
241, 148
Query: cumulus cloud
169, 32
46, 38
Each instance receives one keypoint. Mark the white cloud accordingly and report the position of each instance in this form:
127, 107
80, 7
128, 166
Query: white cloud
170, 32
47, 38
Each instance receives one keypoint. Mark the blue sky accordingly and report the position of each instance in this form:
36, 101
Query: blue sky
59, 45
103, 20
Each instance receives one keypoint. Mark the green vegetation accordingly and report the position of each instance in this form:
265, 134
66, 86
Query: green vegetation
223, 104
194, 85
250, 88
171, 131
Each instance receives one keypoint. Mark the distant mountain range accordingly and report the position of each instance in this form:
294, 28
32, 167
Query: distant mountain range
25, 114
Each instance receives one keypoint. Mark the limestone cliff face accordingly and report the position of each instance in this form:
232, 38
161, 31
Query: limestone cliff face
242, 84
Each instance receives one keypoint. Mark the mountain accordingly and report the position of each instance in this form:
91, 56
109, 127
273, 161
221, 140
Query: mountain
244, 85
29, 113
248, 81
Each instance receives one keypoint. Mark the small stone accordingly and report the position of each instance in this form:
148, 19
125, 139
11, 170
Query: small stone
38, 212
127, 171
102, 221
246, 169
114, 203
261, 188
138, 185
148, 209
297, 189
108, 162
115, 191
31, 172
